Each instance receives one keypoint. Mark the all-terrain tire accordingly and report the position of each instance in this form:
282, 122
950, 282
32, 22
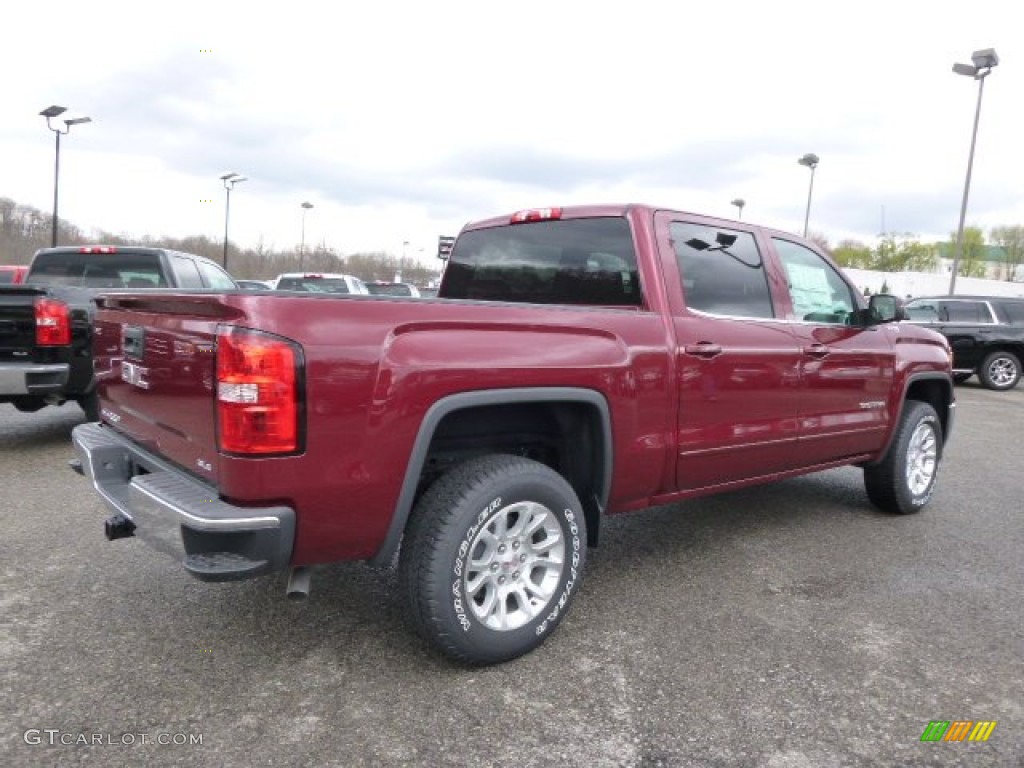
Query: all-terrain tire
492, 556
904, 481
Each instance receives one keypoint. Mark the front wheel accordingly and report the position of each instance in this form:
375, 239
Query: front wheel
492, 557
904, 481
1000, 370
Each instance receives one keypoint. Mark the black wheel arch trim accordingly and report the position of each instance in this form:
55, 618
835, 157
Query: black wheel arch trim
462, 400
950, 409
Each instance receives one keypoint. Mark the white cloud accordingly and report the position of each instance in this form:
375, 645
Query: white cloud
400, 121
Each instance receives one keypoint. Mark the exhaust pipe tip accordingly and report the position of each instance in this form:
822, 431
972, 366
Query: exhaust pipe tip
118, 527
298, 583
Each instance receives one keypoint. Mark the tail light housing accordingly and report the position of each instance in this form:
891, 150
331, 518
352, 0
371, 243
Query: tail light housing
53, 323
259, 393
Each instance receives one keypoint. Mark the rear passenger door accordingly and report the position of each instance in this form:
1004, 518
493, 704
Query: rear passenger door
968, 325
846, 371
737, 362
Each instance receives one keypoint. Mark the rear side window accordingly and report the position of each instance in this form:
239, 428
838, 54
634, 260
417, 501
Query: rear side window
1013, 311
965, 312
722, 271
89, 270
568, 261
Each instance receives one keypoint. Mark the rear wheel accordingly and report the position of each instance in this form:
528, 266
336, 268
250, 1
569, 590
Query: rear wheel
904, 481
492, 557
1000, 370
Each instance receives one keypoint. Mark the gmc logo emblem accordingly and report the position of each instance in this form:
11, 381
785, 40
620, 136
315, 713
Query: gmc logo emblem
134, 375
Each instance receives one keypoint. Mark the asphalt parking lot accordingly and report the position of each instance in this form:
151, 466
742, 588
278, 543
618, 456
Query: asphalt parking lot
790, 626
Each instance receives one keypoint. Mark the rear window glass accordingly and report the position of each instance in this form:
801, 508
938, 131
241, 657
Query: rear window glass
313, 284
572, 261
89, 270
388, 289
6, 276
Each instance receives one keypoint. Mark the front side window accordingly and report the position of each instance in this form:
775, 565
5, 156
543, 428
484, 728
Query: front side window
818, 292
722, 271
215, 277
923, 311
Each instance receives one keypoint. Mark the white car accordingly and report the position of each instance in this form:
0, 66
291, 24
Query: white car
319, 282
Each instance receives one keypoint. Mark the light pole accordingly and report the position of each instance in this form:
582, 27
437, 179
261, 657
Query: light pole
302, 245
739, 202
229, 179
811, 161
983, 60
49, 113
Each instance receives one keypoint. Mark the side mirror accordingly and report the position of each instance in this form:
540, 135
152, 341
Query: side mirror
886, 308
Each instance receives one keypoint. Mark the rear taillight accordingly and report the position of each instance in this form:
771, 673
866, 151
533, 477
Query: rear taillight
53, 323
258, 392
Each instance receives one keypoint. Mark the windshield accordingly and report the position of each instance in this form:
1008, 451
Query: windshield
571, 261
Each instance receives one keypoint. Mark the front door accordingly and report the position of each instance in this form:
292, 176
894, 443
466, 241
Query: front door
846, 371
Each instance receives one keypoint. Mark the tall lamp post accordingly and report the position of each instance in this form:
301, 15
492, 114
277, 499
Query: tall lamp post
49, 113
739, 202
811, 161
302, 244
229, 179
983, 62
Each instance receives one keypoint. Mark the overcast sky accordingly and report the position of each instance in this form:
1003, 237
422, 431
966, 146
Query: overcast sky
400, 121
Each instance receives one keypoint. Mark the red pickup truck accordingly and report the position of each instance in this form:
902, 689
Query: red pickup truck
579, 362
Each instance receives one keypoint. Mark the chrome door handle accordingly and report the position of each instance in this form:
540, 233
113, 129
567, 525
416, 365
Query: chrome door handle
703, 349
816, 350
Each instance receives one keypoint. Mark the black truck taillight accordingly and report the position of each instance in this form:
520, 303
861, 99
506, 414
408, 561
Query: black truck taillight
53, 323
259, 400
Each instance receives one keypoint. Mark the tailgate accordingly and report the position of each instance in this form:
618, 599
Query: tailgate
18, 323
156, 376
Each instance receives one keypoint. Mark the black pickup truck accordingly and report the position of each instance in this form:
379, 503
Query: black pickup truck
46, 323
985, 332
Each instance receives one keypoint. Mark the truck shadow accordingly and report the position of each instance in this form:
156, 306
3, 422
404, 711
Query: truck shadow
355, 612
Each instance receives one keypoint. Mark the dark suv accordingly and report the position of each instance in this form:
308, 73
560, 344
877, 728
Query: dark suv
985, 332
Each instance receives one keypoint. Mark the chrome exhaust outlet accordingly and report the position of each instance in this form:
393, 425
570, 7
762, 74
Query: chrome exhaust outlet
298, 583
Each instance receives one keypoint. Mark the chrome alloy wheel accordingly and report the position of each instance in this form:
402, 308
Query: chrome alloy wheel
515, 564
1002, 372
922, 457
